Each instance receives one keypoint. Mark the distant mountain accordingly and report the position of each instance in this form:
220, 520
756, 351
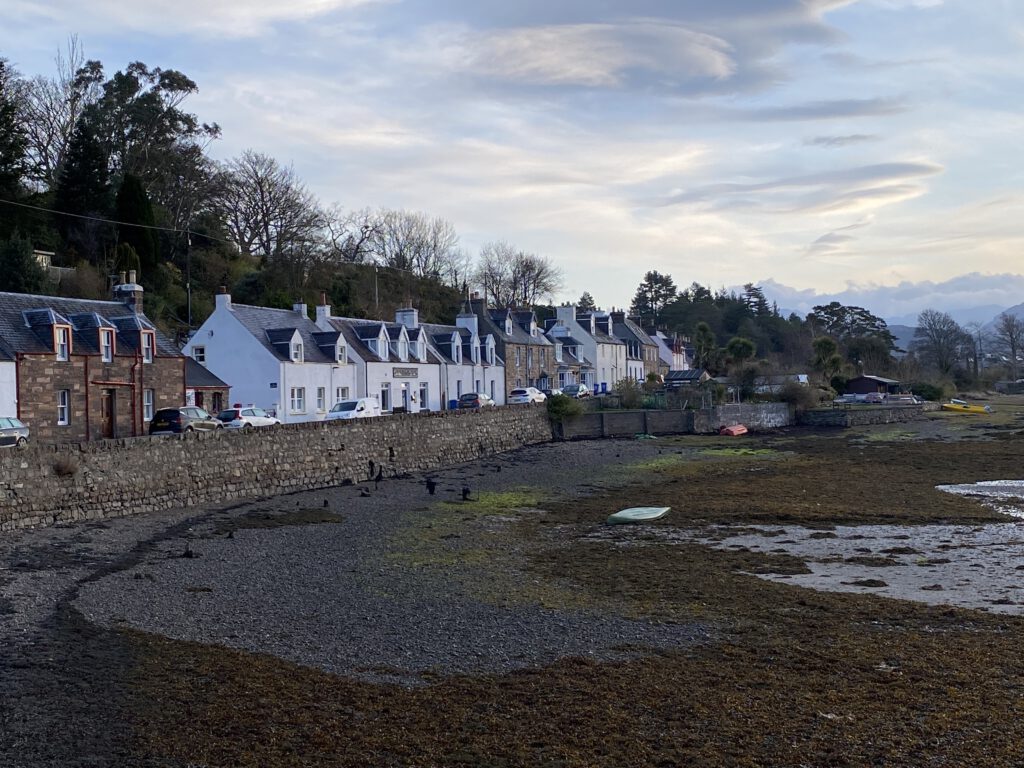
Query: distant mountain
963, 315
1017, 310
903, 334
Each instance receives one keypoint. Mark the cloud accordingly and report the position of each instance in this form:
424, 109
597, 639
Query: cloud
822, 110
840, 141
222, 18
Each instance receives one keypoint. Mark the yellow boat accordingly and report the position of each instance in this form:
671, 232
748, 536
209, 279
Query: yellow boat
959, 406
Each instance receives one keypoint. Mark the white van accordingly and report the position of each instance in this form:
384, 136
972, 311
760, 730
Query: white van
363, 408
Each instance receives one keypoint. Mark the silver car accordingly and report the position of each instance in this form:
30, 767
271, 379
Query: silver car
13, 432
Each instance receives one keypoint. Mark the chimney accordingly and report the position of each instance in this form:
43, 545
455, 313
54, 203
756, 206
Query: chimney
566, 314
323, 312
618, 317
129, 293
299, 308
223, 298
469, 321
408, 316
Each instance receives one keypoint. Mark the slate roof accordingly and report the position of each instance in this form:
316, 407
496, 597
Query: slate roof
200, 377
17, 335
357, 331
273, 328
689, 375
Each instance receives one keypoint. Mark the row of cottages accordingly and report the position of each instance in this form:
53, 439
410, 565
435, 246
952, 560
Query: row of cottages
75, 369
282, 360
527, 356
642, 358
600, 355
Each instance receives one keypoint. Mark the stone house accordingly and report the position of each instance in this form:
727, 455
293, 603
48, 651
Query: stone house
277, 359
527, 353
205, 390
75, 369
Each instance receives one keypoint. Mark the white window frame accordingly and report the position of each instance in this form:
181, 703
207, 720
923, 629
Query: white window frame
63, 407
424, 394
385, 396
341, 354
198, 354
62, 343
149, 347
341, 394
321, 399
403, 350
148, 403
492, 389
106, 345
297, 352
518, 359
297, 400
458, 388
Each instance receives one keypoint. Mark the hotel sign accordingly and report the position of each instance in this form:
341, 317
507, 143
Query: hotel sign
405, 373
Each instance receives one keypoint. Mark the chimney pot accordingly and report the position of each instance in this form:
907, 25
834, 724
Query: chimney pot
122, 281
131, 276
222, 290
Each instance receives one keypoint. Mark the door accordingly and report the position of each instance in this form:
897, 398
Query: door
108, 407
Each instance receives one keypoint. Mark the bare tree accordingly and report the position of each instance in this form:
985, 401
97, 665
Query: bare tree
414, 242
270, 214
1009, 335
512, 277
939, 340
52, 107
348, 236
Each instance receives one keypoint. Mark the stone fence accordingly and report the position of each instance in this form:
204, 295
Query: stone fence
42, 485
861, 416
756, 416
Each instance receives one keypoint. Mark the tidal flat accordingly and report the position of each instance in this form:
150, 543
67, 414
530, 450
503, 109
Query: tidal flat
516, 629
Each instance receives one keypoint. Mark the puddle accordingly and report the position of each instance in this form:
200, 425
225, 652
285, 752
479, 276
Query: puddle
967, 566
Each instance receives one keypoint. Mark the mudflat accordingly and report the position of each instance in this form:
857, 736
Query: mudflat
388, 626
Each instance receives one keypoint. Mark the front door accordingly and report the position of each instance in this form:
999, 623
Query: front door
108, 413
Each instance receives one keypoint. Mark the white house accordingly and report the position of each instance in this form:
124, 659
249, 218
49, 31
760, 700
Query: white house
469, 362
671, 351
593, 332
8, 384
275, 358
392, 360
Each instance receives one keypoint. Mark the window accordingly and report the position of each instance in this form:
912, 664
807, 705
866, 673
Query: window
297, 352
107, 345
341, 354
149, 345
148, 399
62, 342
458, 388
529, 358
321, 398
561, 380
518, 363
403, 350
198, 353
476, 386
492, 389
298, 400
63, 407
457, 350
424, 392
543, 357
558, 351
340, 393
385, 396
218, 402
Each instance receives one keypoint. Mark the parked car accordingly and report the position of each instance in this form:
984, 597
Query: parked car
238, 417
526, 395
552, 392
576, 390
363, 408
12, 432
475, 400
188, 418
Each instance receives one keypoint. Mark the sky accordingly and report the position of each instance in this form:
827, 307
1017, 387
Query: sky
822, 148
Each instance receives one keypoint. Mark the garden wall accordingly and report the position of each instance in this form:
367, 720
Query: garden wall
41, 485
756, 416
861, 416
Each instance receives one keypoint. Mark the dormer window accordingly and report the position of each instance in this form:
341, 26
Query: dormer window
456, 349
149, 346
106, 345
476, 351
508, 326
558, 351
403, 350
341, 354
296, 351
62, 342
198, 353
421, 352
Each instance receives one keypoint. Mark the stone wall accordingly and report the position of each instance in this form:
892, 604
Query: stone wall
41, 485
756, 416
854, 417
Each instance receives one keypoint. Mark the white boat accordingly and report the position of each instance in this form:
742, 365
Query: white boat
637, 515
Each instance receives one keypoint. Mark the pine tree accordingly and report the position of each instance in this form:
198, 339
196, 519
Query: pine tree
133, 207
19, 270
586, 303
84, 190
13, 142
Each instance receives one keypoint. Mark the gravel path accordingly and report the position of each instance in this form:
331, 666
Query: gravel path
325, 595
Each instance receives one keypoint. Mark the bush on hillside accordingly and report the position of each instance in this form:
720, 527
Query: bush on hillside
927, 391
631, 394
562, 407
801, 397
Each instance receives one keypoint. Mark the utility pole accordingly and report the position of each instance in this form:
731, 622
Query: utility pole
188, 277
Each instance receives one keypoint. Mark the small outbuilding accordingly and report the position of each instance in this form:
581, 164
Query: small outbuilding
866, 384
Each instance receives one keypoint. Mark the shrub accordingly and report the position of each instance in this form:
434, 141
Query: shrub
927, 391
799, 396
562, 407
631, 394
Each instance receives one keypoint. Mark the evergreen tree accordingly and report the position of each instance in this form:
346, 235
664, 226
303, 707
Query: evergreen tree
704, 344
586, 303
651, 297
133, 207
13, 142
19, 270
84, 190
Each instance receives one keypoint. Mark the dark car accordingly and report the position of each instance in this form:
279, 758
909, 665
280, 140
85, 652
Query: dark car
475, 400
12, 432
188, 418
576, 390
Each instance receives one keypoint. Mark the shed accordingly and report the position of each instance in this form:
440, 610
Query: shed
866, 384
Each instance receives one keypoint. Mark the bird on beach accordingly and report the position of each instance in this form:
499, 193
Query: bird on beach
431, 485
